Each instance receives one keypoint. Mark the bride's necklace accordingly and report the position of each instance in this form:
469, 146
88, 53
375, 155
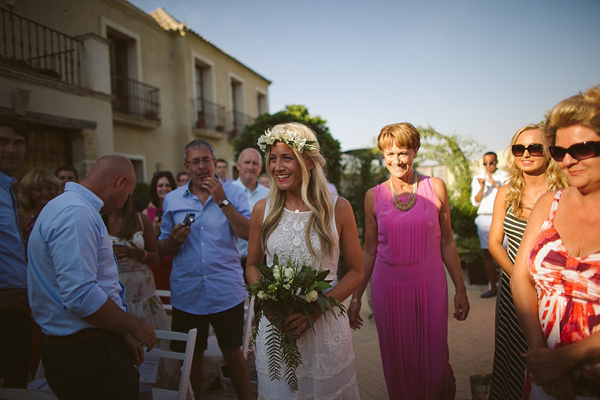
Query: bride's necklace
298, 210
410, 201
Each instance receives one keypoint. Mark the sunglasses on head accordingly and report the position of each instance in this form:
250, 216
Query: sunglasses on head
579, 151
534, 149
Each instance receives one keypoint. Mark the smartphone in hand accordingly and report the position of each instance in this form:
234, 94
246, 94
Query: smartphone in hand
189, 219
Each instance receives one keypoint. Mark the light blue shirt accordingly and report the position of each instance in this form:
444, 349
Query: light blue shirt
13, 270
260, 192
206, 277
72, 269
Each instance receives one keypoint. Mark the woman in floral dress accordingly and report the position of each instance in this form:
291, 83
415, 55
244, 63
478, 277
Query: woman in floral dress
556, 281
134, 243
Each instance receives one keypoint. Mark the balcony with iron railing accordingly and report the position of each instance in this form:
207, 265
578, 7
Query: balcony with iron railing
237, 123
209, 115
36, 48
213, 120
132, 98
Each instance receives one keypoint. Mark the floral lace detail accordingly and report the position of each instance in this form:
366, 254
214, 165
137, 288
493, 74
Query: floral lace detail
289, 242
349, 392
327, 353
332, 341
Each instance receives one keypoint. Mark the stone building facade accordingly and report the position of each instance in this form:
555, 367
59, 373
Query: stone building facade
96, 77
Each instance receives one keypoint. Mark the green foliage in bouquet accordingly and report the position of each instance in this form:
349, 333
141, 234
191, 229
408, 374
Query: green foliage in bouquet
283, 290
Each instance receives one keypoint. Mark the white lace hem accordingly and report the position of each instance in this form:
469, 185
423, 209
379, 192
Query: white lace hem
347, 392
319, 376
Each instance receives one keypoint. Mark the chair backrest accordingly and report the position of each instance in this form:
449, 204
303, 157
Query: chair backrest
167, 294
186, 357
248, 327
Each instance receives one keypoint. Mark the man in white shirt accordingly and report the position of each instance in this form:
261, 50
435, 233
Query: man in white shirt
483, 193
249, 165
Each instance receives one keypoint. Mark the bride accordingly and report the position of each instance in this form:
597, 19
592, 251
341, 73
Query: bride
301, 221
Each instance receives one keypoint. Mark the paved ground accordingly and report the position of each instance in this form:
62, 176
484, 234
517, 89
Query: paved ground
471, 345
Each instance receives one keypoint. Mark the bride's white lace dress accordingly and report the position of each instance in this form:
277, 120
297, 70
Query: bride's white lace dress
327, 371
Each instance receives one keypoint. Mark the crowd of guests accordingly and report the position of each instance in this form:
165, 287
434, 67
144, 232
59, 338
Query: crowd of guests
85, 262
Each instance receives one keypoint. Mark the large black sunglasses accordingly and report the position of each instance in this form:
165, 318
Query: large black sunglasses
534, 149
579, 151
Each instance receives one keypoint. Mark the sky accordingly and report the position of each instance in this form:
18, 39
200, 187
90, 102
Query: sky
480, 69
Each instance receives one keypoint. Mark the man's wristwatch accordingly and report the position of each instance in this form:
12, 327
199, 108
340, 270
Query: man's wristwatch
224, 203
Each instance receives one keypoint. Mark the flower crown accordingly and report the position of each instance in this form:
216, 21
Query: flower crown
290, 138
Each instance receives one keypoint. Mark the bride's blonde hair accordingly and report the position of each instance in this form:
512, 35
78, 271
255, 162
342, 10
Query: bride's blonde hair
314, 187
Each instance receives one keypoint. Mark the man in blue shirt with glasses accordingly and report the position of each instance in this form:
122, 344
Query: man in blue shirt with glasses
207, 285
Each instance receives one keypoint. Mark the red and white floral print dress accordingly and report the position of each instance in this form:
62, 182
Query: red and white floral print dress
568, 291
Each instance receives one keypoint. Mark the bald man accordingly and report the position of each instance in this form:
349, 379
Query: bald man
88, 346
249, 165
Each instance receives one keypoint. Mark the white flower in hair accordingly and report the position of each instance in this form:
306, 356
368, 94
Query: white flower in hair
288, 137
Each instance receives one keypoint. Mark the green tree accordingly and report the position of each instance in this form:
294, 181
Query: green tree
454, 152
363, 173
330, 147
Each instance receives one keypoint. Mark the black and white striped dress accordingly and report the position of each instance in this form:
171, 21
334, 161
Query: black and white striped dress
508, 376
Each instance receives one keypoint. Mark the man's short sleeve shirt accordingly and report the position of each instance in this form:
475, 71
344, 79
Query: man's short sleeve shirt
206, 277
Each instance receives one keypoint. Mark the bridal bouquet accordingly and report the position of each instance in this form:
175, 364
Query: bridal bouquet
283, 290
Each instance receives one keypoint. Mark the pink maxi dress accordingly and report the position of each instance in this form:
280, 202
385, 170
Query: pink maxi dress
410, 297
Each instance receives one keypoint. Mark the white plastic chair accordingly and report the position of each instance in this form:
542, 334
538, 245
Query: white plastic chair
39, 381
213, 354
186, 357
165, 293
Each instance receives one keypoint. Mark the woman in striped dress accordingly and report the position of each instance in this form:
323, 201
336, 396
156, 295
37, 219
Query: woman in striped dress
532, 173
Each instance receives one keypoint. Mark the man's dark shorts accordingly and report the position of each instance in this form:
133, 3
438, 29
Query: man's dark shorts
228, 326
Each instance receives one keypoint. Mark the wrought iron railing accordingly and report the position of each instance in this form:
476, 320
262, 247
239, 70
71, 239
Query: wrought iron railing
209, 115
238, 121
37, 48
135, 98
212, 116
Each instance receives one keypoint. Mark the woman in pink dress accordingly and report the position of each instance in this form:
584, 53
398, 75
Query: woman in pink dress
556, 280
408, 239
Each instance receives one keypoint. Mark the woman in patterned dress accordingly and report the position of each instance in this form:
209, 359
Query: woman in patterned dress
556, 280
301, 221
532, 173
134, 244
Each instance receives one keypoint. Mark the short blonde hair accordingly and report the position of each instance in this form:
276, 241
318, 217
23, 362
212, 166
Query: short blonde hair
31, 179
403, 134
581, 109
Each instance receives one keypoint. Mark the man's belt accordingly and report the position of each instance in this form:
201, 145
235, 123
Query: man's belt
82, 335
